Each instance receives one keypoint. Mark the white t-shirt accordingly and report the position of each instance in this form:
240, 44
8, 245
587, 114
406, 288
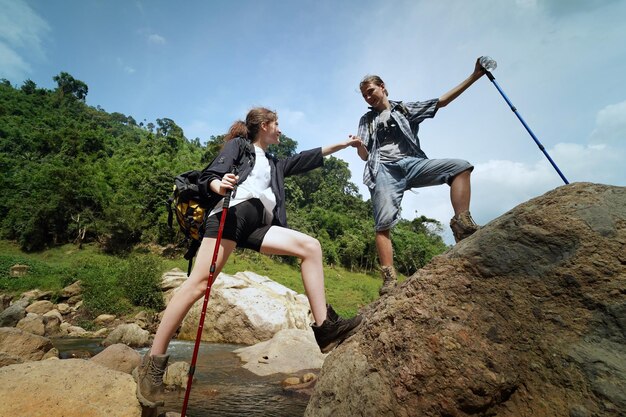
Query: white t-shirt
256, 185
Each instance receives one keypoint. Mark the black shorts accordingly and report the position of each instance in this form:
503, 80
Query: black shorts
244, 224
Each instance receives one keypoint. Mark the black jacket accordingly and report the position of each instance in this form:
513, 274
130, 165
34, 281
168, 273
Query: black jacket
239, 153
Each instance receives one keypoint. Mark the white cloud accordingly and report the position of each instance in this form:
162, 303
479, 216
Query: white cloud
20, 25
500, 185
21, 36
541, 51
592, 163
578, 162
497, 186
610, 125
151, 37
526, 3
543, 48
126, 68
12, 65
156, 39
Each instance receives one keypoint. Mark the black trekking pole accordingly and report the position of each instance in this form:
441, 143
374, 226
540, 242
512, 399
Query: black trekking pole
218, 240
489, 64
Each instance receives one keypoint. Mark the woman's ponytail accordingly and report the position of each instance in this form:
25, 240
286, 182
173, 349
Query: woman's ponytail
251, 127
238, 129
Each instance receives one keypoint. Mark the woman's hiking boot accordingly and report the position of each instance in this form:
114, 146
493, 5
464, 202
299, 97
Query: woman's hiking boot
389, 279
462, 226
149, 378
334, 330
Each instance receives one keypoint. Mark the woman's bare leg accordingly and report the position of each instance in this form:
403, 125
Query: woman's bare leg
191, 291
283, 241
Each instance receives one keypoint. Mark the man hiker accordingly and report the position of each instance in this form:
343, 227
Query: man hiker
395, 162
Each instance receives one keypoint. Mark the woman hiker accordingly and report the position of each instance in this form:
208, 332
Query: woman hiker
256, 220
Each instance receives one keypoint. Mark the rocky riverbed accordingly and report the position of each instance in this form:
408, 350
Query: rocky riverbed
41, 384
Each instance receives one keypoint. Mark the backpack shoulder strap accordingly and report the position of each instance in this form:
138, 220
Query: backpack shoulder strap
191, 253
403, 109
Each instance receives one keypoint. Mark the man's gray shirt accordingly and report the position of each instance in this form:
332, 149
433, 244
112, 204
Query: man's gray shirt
405, 119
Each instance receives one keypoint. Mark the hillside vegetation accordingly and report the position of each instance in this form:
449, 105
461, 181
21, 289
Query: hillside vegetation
73, 173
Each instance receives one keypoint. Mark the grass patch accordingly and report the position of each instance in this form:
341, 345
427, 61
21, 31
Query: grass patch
118, 285
102, 290
46, 271
141, 282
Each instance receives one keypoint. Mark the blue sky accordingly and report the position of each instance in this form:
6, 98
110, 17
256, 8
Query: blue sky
205, 63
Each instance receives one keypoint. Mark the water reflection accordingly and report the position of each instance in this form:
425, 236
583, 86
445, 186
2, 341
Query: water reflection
221, 386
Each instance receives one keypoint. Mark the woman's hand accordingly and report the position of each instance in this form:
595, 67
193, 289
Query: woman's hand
361, 150
354, 141
227, 182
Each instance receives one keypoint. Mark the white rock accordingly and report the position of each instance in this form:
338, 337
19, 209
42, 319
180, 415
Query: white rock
104, 319
64, 308
247, 308
173, 279
277, 355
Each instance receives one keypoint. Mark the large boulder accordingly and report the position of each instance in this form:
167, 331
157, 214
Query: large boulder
177, 375
527, 317
52, 322
37, 294
5, 301
277, 354
118, 357
173, 279
32, 323
10, 316
40, 307
8, 359
72, 290
247, 308
18, 270
24, 345
69, 388
129, 334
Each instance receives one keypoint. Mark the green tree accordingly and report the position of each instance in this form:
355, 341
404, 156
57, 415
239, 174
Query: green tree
213, 147
286, 147
171, 133
69, 86
74, 173
29, 87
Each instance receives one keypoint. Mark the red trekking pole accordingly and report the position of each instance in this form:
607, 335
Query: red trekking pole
218, 240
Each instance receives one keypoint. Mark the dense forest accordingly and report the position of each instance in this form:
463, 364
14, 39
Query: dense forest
74, 173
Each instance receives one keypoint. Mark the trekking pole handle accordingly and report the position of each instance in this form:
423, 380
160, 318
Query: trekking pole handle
227, 197
230, 193
488, 64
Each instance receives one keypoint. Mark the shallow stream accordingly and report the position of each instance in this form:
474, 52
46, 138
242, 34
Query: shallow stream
221, 386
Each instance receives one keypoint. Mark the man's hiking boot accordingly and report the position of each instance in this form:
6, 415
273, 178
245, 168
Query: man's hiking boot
149, 378
334, 330
389, 279
463, 226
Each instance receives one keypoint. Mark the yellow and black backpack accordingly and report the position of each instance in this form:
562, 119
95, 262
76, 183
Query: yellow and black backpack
190, 210
191, 207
